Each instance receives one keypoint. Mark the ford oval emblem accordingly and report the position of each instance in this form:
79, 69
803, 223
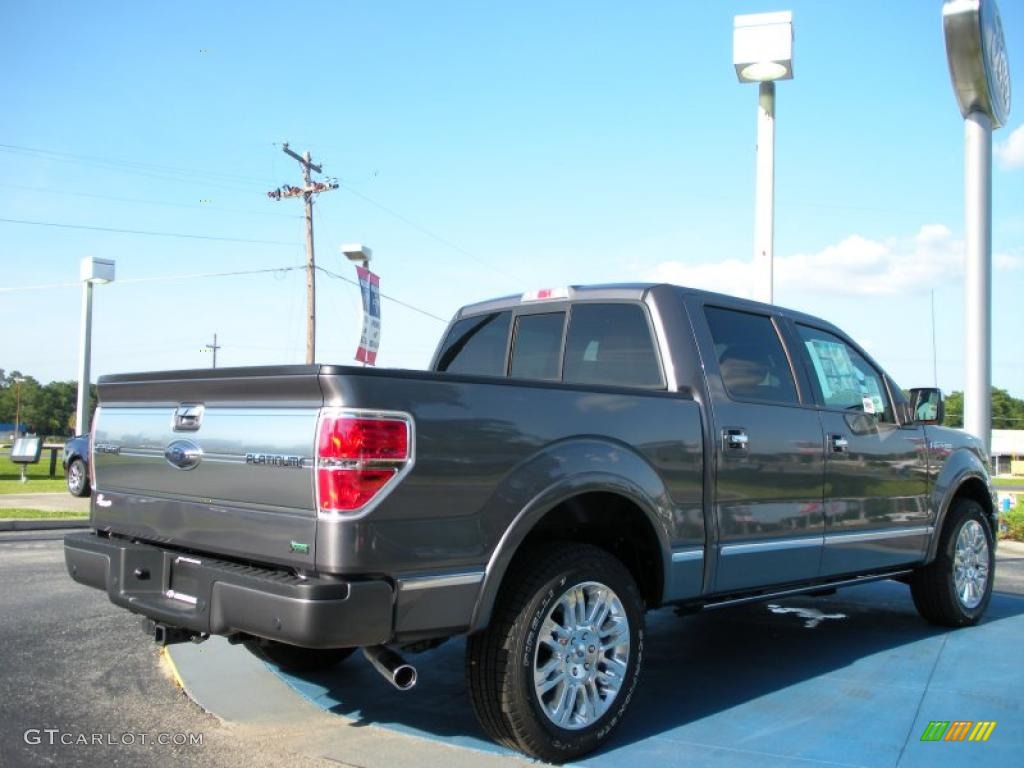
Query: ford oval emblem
183, 454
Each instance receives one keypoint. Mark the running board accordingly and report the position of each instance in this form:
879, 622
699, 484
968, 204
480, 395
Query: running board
805, 589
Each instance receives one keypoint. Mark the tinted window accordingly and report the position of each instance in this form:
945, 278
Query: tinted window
537, 346
476, 345
610, 344
845, 379
750, 356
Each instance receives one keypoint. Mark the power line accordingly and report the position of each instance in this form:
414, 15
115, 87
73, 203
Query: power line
433, 235
158, 279
431, 315
146, 169
195, 275
141, 201
144, 232
131, 164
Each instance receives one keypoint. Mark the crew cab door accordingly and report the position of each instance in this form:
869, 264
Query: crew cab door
876, 483
768, 452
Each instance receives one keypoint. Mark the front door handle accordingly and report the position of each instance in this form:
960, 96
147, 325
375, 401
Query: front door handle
735, 440
838, 443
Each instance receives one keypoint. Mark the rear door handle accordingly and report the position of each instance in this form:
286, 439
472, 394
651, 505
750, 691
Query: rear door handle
838, 443
735, 440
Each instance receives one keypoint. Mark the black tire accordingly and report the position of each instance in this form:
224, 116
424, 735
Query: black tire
292, 658
500, 660
934, 585
77, 477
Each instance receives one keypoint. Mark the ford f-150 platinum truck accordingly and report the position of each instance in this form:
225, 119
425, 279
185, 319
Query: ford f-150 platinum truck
574, 458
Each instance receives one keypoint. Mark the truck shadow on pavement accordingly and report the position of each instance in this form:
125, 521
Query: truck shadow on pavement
711, 679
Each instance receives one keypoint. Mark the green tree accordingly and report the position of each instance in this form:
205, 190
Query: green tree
46, 410
1007, 411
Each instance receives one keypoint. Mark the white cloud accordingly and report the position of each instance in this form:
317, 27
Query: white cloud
855, 266
1010, 153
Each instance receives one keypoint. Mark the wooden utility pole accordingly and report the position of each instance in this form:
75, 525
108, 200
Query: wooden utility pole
213, 348
306, 192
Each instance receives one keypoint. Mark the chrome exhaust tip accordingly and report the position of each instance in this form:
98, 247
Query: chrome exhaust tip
391, 666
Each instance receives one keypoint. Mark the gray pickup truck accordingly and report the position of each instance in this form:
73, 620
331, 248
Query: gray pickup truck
574, 458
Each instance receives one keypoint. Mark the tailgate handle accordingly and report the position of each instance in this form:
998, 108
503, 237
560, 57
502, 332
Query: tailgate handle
188, 418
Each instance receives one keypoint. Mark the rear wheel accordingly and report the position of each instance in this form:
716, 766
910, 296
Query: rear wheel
954, 589
554, 673
292, 658
78, 478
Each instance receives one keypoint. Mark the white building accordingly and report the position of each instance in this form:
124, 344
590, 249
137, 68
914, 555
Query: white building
1008, 451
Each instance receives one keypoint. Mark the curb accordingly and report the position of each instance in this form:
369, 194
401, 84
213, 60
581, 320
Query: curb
43, 524
1007, 545
172, 667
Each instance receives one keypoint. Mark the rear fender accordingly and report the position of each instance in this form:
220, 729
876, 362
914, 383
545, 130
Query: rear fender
570, 468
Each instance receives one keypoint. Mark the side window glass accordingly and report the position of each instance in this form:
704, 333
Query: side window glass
476, 345
845, 378
750, 356
610, 344
537, 346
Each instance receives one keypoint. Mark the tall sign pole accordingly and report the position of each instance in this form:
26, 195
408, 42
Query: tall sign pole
980, 71
306, 192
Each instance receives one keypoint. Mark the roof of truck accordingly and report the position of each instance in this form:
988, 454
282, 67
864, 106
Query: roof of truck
623, 292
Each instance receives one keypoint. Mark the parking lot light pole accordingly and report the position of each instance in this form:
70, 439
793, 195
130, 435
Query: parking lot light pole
91, 271
18, 380
762, 52
980, 71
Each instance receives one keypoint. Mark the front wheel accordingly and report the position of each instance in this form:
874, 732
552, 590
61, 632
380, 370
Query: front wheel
555, 671
78, 478
954, 589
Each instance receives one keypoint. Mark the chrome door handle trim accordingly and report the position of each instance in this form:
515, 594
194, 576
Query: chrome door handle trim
839, 443
734, 439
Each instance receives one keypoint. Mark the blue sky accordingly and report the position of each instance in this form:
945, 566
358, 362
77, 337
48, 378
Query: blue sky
484, 149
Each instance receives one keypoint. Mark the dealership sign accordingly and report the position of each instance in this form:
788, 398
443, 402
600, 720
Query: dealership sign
369, 341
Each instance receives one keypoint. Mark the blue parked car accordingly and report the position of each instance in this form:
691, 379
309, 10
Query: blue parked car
76, 465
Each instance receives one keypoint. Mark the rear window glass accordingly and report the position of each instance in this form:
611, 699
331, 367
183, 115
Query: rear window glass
537, 346
610, 344
750, 356
476, 345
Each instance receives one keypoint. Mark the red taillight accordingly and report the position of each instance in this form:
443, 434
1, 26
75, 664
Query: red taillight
349, 489
358, 456
363, 439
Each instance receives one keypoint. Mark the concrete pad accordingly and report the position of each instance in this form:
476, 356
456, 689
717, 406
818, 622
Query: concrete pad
849, 680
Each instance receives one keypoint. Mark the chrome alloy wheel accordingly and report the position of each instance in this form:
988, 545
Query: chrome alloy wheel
970, 564
76, 477
582, 655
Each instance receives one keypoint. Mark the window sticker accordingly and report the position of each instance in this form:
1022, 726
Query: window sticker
835, 370
868, 403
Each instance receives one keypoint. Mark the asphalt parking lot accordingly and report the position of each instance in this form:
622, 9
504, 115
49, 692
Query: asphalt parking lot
72, 663
848, 680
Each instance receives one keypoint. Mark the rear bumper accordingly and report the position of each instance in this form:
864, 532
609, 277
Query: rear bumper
218, 597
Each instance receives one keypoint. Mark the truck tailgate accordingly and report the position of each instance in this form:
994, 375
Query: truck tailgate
216, 461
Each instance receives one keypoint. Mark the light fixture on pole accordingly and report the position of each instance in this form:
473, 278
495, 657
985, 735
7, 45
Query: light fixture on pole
980, 71
762, 52
91, 271
357, 253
